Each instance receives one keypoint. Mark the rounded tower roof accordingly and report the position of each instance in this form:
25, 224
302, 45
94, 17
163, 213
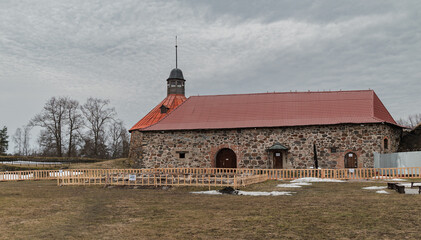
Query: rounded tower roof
176, 74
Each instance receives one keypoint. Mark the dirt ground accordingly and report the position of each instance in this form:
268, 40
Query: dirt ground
41, 210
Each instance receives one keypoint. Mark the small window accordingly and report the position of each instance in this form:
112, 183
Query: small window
182, 155
164, 109
386, 143
333, 150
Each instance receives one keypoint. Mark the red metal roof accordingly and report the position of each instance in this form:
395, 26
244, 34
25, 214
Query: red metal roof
171, 102
275, 110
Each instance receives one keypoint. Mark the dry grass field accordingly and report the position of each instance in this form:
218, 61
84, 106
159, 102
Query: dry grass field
41, 210
121, 163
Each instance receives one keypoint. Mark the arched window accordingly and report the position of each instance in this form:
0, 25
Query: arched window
386, 143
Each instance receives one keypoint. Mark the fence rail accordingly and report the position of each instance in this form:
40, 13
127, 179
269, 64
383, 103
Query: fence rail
280, 174
161, 179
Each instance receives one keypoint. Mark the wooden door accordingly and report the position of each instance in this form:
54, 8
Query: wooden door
351, 160
278, 160
226, 158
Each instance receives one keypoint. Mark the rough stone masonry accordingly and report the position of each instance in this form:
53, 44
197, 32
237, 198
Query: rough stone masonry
152, 149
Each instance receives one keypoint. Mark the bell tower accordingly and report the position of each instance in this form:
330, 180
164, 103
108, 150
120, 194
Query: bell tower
176, 81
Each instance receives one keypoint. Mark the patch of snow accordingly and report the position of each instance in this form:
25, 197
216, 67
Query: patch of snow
374, 188
212, 192
293, 185
303, 183
312, 180
245, 193
289, 185
382, 192
396, 180
386, 178
273, 193
411, 191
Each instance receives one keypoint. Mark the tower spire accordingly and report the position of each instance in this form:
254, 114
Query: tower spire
176, 60
175, 82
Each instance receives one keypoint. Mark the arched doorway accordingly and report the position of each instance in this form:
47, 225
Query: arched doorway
351, 160
226, 158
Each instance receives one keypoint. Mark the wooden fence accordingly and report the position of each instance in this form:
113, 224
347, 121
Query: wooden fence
280, 174
162, 179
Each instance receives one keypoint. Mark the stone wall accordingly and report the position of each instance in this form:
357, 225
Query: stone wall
162, 148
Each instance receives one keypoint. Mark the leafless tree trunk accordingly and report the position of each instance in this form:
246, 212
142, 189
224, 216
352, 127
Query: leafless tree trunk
126, 143
52, 118
17, 140
26, 137
21, 139
74, 123
98, 114
119, 139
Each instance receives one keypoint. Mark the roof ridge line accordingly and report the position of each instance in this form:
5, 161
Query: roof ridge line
373, 105
375, 97
301, 92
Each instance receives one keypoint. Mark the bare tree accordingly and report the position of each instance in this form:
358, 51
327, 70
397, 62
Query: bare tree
26, 137
46, 143
61, 120
126, 143
74, 120
119, 139
17, 140
52, 119
411, 122
98, 114
115, 138
21, 140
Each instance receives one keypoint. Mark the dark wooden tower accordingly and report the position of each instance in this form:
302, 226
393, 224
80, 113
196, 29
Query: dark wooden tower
176, 82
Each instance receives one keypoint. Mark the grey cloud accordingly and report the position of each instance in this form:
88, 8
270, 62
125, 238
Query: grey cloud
124, 50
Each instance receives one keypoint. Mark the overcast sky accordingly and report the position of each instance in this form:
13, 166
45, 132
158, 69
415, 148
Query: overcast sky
124, 51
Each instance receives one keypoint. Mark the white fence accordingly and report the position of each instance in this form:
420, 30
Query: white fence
397, 160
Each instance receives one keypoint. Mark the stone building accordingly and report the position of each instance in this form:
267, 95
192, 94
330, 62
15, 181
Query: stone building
335, 129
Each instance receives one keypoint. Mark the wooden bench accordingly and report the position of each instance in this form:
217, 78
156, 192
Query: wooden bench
400, 188
391, 185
